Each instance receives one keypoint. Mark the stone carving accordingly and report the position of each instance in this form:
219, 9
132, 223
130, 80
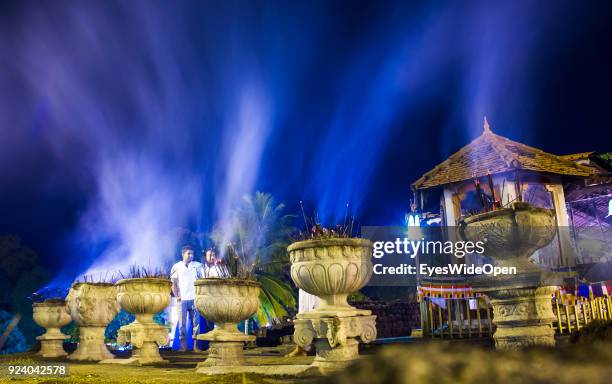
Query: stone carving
92, 306
511, 234
226, 302
51, 315
522, 305
143, 297
527, 321
332, 269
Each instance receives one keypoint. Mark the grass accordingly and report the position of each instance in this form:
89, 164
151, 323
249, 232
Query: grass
425, 362
181, 369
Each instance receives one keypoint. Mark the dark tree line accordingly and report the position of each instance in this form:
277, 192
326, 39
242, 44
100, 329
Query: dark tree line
20, 275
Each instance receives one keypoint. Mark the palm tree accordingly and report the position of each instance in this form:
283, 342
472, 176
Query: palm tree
260, 238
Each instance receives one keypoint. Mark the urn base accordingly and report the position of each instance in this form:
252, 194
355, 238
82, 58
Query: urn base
91, 345
226, 346
52, 346
335, 358
144, 338
147, 354
335, 338
224, 353
523, 317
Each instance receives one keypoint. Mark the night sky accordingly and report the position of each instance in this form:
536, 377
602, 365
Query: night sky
120, 121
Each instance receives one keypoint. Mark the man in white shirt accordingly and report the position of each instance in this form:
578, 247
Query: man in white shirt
183, 275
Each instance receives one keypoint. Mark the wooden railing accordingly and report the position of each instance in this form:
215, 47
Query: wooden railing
455, 319
574, 312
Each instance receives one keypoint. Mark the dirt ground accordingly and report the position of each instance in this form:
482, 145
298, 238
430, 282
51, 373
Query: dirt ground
181, 369
414, 363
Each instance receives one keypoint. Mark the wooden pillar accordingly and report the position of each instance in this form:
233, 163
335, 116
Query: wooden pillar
469, 319
567, 316
449, 208
423, 316
440, 322
460, 317
576, 313
509, 192
567, 257
450, 318
431, 321
559, 320
478, 317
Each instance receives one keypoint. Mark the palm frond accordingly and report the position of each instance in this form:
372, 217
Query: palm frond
278, 289
278, 311
264, 308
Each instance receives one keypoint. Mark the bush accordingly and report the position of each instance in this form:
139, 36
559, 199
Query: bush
20, 275
124, 318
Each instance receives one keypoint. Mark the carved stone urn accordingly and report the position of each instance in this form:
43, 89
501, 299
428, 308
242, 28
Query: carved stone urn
226, 302
522, 306
511, 235
51, 315
332, 269
143, 297
92, 306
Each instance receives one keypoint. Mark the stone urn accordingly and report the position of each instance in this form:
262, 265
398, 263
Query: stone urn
332, 269
51, 315
92, 306
143, 297
226, 302
512, 234
522, 306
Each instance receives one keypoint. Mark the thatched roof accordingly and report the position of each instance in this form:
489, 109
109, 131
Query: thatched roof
491, 153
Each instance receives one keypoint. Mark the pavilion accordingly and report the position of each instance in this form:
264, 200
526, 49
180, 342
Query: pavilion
494, 171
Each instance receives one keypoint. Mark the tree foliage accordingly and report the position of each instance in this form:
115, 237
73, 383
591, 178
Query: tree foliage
261, 234
20, 275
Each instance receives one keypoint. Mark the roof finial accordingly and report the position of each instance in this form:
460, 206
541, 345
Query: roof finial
485, 125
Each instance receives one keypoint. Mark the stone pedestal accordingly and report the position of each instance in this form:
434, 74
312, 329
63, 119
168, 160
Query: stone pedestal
144, 339
52, 345
144, 297
91, 344
225, 353
522, 308
226, 346
523, 317
335, 338
226, 302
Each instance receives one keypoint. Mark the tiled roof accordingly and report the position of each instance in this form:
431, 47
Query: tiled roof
577, 156
491, 153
